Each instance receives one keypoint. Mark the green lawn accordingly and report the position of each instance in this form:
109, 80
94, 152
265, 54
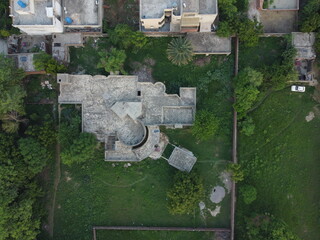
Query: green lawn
152, 235
99, 193
282, 160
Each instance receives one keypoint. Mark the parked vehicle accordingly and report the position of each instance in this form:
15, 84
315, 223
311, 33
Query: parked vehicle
295, 88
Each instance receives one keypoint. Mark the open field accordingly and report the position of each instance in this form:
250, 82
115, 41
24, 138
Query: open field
281, 160
101, 193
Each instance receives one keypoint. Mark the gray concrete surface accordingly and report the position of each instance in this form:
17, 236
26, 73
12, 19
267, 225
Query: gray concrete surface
304, 43
82, 12
278, 21
209, 43
38, 18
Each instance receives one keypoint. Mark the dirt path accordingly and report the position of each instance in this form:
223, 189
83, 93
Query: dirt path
124, 186
57, 177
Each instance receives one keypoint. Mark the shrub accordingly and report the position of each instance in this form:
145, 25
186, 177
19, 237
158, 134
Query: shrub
237, 173
205, 125
186, 193
248, 193
247, 126
44, 61
179, 51
112, 61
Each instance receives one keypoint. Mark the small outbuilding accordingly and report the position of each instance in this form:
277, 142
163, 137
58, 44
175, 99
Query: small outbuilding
182, 159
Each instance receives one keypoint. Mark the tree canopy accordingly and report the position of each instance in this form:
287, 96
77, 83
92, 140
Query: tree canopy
205, 125
310, 16
81, 150
113, 60
246, 90
179, 51
44, 61
186, 193
124, 37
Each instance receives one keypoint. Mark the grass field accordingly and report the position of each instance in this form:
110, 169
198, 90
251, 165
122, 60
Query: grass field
100, 193
282, 161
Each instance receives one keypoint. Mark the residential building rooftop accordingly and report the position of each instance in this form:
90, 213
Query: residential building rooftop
125, 113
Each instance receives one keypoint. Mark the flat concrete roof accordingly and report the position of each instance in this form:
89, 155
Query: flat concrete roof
82, 12
304, 43
284, 5
155, 8
124, 113
38, 18
209, 43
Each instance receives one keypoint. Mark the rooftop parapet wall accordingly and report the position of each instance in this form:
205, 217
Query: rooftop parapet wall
279, 5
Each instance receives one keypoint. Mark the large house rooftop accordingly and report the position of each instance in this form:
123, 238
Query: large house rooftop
126, 114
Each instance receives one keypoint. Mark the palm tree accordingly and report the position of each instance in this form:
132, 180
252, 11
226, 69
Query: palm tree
180, 51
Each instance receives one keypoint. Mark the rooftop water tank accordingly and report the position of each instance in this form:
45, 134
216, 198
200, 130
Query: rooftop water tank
22, 4
68, 20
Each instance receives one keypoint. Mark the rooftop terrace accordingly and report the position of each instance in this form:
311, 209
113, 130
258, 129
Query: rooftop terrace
155, 8
34, 14
82, 12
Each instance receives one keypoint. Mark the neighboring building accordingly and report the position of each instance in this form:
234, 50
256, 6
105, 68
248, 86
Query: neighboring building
209, 43
126, 114
279, 5
37, 17
178, 15
304, 44
44, 17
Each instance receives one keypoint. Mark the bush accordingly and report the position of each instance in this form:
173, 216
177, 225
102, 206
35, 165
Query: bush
247, 126
310, 16
237, 173
266, 226
205, 125
179, 51
81, 150
186, 193
44, 61
248, 193
112, 61
125, 38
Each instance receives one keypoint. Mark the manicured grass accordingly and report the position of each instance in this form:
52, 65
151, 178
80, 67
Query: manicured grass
101, 193
281, 160
97, 193
152, 235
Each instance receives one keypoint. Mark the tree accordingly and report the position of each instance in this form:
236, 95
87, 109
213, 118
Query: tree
237, 173
205, 126
310, 16
82, 149
266, 226
179, 51
69, 131
246, 90
124, 37
44, 61
34, 154
186, 193
11, 121
248, 193
112, 61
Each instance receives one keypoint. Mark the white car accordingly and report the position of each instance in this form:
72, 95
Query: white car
295, 88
